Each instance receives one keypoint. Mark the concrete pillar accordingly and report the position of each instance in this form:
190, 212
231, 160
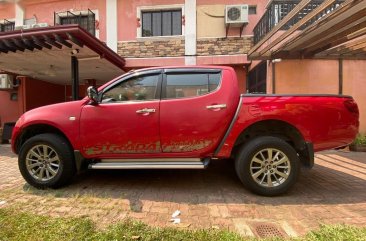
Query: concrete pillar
111, 24
190, 32
19, 15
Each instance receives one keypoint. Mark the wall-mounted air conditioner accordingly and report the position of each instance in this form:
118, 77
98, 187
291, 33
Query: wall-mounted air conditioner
40, 25
236, 15
27, 26
6, 81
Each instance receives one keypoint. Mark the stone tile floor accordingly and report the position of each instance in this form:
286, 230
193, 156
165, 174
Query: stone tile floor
334, 191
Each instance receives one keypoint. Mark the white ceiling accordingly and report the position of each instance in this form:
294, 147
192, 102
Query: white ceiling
54, 65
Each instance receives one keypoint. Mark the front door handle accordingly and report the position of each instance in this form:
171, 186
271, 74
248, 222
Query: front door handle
216, 107
145, 111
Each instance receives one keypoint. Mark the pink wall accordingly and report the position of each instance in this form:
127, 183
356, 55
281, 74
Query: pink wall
306, 77
241, 75
354, 84
44, 10
7, 10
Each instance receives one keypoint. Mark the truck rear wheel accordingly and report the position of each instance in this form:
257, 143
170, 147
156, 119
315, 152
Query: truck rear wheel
267, 166
46, 161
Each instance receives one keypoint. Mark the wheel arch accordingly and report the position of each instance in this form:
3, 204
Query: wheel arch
36, 129
271, 127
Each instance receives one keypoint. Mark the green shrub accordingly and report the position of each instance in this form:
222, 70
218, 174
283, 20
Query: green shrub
360, 140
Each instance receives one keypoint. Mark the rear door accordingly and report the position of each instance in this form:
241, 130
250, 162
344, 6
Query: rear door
195, 110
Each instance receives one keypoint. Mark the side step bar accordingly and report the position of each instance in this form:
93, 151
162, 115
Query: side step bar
153, 164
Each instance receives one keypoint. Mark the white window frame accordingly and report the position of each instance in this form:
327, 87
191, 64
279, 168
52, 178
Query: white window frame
83, 12
157, 8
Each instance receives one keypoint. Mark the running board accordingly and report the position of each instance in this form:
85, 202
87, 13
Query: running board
153, 164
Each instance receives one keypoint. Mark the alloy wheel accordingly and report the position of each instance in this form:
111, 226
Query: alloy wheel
270, 167
42, 162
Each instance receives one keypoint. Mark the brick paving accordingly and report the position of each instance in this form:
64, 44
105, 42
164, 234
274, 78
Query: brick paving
334, 191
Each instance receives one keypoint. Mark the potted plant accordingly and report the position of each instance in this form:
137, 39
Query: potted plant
359, 144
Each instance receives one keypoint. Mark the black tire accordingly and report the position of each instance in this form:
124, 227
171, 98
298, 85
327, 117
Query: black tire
59, 149
246, 166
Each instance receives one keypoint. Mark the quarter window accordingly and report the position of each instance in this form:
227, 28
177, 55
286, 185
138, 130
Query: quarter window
189, 85
136, 88
161, 23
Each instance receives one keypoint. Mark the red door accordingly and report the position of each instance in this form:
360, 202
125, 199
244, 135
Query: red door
126, 121
196, 109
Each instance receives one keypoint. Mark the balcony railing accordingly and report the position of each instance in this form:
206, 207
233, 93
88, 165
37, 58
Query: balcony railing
278, 9
85, 19
6, 25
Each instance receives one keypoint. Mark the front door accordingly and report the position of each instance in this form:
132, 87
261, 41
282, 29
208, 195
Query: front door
126, 122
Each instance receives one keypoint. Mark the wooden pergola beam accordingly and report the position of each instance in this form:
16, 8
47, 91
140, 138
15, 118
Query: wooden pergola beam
41, 43
51, 41
299, 46
361, 56
21, 45
31, 43
338, 36
356, 48
62, 41
74, 40
298, 25
284, 21
344, 46
333, 41
305, 38
11, 46
357, 33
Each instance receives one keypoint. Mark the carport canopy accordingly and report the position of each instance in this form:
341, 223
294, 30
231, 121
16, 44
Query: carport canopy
327, 34
59, 54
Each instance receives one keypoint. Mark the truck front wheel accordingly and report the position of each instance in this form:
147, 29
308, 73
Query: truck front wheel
267, 165
46, 161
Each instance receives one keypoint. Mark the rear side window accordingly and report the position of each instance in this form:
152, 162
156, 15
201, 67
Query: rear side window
183, 85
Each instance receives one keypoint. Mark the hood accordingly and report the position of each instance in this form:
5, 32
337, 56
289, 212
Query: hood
52, 114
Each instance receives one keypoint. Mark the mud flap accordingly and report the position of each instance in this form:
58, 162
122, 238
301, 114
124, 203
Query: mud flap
307, 155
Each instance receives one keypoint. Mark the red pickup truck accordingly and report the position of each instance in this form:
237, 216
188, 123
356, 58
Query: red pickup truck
182, 117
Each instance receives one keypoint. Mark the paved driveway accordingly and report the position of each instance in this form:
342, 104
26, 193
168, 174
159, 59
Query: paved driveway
334, 191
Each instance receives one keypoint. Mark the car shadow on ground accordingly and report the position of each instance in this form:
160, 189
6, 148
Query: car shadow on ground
217, 184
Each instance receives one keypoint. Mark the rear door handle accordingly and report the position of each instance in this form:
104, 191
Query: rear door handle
215, 107
145, 111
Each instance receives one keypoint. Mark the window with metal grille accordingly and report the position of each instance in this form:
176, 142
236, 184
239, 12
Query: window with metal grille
161, 23
252, 10
85, 19
7, 25
257, 79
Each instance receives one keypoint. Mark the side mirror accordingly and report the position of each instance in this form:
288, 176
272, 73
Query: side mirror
93, 94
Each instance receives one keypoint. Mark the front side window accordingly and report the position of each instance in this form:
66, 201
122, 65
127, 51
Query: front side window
161, 23
182, 85
133, 89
